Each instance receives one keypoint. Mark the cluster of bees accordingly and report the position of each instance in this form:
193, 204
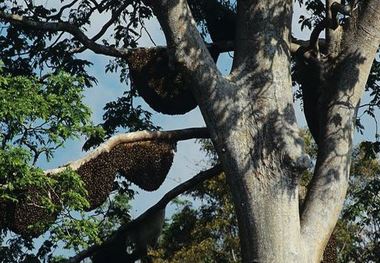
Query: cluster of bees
144, 163
160, 81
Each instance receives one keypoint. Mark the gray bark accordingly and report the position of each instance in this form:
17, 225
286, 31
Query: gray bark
327, 191
258, 143
252, 124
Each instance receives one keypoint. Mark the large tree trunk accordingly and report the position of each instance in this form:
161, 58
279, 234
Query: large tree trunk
258, 143
252, 124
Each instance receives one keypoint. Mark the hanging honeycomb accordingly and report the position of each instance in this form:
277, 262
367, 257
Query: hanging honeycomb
159, 83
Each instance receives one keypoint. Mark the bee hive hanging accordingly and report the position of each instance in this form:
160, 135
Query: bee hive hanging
30, 211
161, 85
98, 174
144, 163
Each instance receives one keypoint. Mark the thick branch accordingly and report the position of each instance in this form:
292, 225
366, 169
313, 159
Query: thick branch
189, 48
186, 186
330, 22
174, 135
328, 187
299, 43
369, 25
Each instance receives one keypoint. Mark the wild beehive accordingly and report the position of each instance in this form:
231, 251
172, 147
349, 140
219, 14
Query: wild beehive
160, 83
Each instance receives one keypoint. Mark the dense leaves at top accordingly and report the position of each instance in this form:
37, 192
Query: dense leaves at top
26, 51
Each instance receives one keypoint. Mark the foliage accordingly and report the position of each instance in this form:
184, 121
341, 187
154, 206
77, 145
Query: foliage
358, 233
40, 116
316, 9
26, 51
202, 234
37, 118
121, 113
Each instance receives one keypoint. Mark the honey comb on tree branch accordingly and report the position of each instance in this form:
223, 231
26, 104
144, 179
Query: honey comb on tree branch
159, 81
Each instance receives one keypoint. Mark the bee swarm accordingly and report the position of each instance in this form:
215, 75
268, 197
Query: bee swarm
159, 83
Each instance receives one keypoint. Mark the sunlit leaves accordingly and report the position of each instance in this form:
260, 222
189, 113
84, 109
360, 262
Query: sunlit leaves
41, 116
37, 117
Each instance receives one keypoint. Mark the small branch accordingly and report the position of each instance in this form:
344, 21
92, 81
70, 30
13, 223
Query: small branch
180, 189
65, 27
115, 15
113, 18
60, 12
330, 22
174, 135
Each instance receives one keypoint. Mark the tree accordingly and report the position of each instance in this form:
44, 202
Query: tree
36, 119
249, 114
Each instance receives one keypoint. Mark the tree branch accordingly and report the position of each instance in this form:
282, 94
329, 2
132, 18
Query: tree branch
329, 22
173, 135
65, 27
90, 43
328, 187
223, 46
299, 43
186, 43
63, 8
115, 15
186, 186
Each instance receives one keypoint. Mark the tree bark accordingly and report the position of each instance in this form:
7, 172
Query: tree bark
258, 143
252, 123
